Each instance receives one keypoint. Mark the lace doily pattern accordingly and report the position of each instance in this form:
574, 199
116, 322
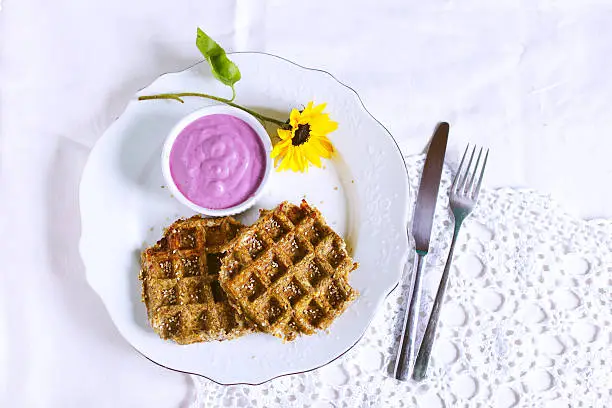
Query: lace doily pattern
527, 320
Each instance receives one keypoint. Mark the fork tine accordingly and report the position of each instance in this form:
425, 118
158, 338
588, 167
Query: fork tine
484, 164
458, 175
469, 186
461, 187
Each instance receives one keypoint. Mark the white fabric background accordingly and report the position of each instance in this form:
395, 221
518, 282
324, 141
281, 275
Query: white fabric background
529, 79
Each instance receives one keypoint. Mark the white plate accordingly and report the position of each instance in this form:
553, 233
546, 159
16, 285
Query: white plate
363, 193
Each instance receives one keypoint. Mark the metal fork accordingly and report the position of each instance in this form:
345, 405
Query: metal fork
463, 197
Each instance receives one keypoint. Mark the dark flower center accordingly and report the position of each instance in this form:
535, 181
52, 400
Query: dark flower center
302, 134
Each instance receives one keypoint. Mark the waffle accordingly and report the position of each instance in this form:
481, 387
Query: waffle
180, 282
288, 272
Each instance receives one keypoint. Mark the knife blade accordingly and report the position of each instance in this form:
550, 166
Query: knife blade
422, 222
422, 219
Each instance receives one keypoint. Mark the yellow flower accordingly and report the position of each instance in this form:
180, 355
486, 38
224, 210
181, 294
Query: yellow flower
306, 142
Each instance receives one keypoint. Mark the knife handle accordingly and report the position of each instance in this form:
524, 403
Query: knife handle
406, 353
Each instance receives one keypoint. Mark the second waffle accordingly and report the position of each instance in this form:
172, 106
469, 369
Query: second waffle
288, 272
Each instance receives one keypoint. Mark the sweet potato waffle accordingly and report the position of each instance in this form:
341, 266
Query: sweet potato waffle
180, 282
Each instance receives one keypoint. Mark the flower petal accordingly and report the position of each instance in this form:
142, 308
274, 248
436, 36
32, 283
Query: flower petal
280, 148
294, 118
304, 158
322, 125
295, 160
311, 154
319, 108
279, 152
327, 145
284, 134
322, 146
276, 151
286, 161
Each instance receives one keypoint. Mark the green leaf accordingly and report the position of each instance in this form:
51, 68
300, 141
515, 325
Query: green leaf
222, 68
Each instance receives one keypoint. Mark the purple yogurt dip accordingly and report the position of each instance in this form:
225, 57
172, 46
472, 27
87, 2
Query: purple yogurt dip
217, 161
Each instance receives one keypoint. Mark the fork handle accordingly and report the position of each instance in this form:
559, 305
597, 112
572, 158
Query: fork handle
405, 355
422, 360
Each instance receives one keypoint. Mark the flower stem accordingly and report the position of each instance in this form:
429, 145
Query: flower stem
179, 96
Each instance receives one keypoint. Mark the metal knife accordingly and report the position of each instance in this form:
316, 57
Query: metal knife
422, 221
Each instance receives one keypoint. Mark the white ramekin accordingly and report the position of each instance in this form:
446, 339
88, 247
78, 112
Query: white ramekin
215, 110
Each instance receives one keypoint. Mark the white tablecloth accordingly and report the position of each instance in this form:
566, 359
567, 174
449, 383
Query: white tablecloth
529, 79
